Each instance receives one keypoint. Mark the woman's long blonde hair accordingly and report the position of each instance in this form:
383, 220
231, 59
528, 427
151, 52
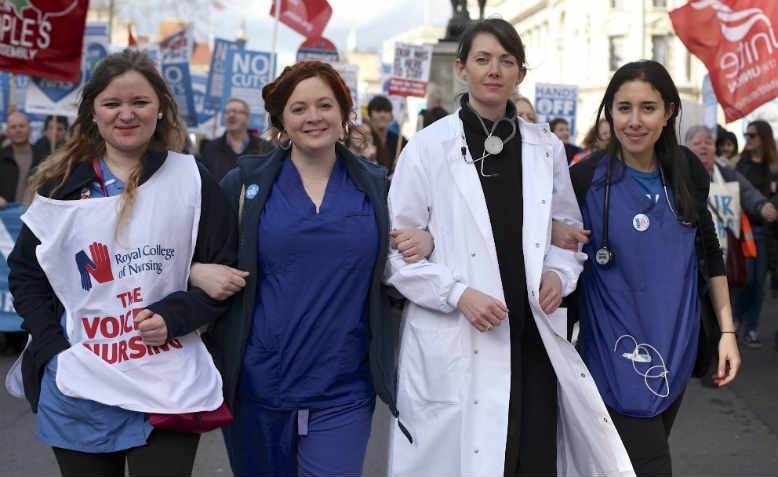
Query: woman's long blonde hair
87, 142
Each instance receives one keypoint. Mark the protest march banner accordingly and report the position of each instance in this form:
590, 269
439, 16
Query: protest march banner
410, 70
738, 45
247, 72
306, 17
175, 54
205, 117
215, 84
350, 75
10, 226
42, 38
48, 96
556, 101
152, 49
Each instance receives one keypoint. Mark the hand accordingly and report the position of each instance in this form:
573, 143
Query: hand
550, 292
729, 359
151, 326
413, 244
82, 262
217, 281
483, 311
769, 212
567, 236
3, 203
100, 269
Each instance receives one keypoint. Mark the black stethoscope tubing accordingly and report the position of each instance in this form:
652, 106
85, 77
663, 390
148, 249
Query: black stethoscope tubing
605, 255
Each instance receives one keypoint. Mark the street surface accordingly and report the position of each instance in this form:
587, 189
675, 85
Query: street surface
732, 431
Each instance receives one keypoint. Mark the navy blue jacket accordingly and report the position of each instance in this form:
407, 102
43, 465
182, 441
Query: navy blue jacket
228, 336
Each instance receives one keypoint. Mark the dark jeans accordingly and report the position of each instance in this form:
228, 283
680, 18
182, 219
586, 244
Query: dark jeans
166, 453
748, 301
646, 440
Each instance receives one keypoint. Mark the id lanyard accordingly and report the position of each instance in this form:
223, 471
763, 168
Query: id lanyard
99, 172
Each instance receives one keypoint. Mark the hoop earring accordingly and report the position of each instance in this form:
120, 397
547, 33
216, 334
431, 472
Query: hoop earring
285, 146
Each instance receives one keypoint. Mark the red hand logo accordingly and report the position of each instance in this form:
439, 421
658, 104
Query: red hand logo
102, 260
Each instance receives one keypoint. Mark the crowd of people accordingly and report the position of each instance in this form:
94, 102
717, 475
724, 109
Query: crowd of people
250, 290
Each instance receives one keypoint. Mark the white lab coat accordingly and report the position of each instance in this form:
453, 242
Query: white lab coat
454, 381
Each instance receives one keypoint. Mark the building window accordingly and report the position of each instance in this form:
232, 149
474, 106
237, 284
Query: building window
660, 3
616, 52
660, 49
617, 4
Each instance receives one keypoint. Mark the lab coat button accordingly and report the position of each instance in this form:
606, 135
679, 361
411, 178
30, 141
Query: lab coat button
475, 402
583, 375
537, 244
475, 351
543, 201
605, 420
472, 254
476, 451
548, 155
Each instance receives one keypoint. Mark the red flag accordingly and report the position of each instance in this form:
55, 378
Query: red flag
130, 39
306, 17
42, 38
737, 41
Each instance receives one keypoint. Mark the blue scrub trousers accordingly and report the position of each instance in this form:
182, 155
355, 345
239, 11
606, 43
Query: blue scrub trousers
330, 441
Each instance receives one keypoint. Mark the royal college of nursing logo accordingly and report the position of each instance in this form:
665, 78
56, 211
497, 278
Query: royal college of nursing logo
98, 266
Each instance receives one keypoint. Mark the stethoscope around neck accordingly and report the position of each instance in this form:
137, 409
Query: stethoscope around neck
493, 144
605, 256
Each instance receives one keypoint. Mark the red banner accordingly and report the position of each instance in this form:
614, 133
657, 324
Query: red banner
42, 38
737, 41
406, 87
306, 17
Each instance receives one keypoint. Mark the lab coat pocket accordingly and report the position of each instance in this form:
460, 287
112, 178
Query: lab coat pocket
434, 364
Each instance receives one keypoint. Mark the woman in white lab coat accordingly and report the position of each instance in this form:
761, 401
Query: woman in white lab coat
483, 346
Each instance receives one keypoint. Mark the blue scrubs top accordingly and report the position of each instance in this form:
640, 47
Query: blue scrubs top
639, 338
309, 339
80, 424
651, 182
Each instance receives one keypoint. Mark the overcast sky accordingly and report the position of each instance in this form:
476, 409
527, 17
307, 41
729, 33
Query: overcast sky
374, 20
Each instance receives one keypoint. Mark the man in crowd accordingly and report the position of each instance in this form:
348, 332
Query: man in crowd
59, 125
17, 160
221, 154
379, 111
561, 128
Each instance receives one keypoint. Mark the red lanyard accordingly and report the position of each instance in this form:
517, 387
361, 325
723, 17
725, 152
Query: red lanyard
99, 172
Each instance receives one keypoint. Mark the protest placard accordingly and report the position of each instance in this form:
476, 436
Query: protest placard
43, 39
350, 75
214, 90
410, 70
557, 101
175, 53
247, 72
50, 96
10, 226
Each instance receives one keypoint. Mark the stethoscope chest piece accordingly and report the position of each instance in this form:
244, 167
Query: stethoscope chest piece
604, 256
493, 145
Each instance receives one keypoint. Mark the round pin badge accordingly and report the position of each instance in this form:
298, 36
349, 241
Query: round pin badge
641, 222
251, 191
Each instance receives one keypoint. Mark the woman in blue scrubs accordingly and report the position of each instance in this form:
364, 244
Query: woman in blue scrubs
308, 342
644, 200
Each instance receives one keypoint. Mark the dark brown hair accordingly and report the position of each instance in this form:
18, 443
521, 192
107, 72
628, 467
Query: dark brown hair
504, 32
668, 152
277, 93
592, 135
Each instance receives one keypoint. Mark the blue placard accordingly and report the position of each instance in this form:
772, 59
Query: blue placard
179, 81
5, 93
247, 72
557, 101
214, 91
10, 225
199, 83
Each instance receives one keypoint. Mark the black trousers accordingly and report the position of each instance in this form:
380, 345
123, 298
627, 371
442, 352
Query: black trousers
166, 453
532, 413
645, 439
